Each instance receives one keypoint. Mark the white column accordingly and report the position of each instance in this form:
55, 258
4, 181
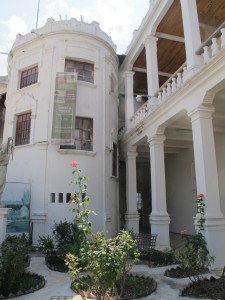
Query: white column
129, 97
159, 218
152, 69
131, 216
3, 222
191, 33
207, 180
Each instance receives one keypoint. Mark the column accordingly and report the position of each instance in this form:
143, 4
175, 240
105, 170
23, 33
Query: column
191, 33
207, 180
131, 216
129, 97
152, 69
3, 222
159, 218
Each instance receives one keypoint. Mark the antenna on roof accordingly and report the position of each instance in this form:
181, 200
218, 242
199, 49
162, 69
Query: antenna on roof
37, 14
81, 18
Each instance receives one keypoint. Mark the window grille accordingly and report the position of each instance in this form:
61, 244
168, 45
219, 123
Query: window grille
29, 77
23, 125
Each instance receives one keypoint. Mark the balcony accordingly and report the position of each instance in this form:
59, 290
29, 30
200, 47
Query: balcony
172, 68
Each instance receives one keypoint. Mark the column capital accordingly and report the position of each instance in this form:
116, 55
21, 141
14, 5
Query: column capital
156, 139
151, 40
131, 154
128, 74
202, 111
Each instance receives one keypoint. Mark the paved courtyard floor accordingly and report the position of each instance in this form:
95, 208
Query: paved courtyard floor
58, 284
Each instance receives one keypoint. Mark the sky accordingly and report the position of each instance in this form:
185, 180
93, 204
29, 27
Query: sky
117, 18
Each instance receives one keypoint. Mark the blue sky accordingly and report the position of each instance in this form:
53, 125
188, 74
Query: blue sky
118, 18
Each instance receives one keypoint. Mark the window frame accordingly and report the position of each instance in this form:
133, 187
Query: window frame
82, 141
80, 71
23, 129
29, 76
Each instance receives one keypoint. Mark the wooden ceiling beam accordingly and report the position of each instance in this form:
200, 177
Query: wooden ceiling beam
169, 37
142, 70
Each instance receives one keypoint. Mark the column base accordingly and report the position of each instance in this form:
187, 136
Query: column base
215, 237
132, 222
3, 222
38, 226
160, 226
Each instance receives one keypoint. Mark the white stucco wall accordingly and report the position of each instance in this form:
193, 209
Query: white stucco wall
220, 150
180, 191
41, 163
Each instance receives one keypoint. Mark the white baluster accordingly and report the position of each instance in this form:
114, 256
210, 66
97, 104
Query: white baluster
174, 84
206, 54
223, 37
184, 74
168, 90
143, 112
164, 96
160, 97
215, 46
146, 108
179, 79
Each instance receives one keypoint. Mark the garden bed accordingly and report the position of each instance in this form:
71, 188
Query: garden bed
56, 264
212, 288
135, 287
158, 259
179, 272
27, 283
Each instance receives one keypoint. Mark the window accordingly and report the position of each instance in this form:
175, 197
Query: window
52, 196
85, 71
60, 198
29, 77
68, 197
23, 124
114, 160
139, 201
84, 134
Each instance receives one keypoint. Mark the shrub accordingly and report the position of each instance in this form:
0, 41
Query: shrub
13, 261
195, 255
108, 262
66, 238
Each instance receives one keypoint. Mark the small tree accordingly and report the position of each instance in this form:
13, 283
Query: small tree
106, 259
195, 254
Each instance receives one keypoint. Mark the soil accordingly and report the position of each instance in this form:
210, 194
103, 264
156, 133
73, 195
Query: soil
56, 264
179, 272
135, 287
25, 284
158, 259
212, 288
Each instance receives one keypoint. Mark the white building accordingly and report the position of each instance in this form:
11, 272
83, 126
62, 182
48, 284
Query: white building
172, 141
40, 118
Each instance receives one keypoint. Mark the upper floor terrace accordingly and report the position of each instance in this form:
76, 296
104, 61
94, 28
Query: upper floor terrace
176, 39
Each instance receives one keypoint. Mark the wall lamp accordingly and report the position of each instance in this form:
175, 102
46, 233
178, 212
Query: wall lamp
139, 97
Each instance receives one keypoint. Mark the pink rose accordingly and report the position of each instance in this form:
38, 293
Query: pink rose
74, 163
201, 196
